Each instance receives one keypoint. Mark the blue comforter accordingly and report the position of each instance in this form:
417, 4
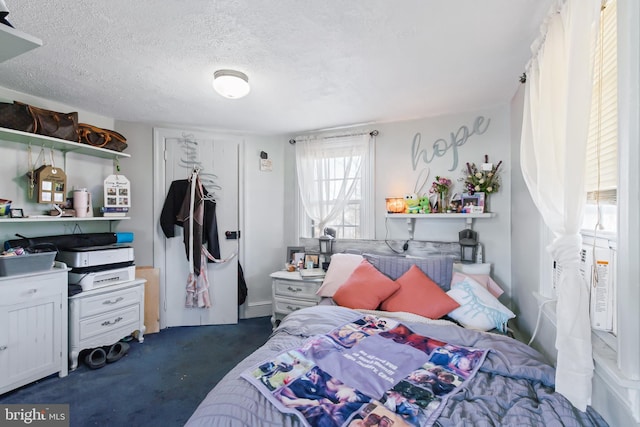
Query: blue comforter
512, 387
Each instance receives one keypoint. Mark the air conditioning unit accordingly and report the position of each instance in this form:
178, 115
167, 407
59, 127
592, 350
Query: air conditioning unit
597, 265
598, 257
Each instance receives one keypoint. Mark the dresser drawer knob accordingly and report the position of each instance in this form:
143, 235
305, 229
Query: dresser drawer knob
32, 291
294, 289
2, 348
111, 302
109, 323
293, 308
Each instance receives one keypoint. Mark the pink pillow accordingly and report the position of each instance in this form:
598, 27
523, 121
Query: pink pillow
365, 288
418, 294
483, 279
340, 268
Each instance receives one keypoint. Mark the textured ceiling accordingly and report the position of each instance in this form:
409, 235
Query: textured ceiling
311, 65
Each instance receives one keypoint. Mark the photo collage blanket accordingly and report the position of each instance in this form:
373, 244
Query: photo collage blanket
373, 371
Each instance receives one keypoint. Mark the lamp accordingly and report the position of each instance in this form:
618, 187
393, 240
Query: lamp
326, 246
395, 204
468, 240
326, 241
231, 84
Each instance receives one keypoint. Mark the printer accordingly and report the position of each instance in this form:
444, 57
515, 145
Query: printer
98, 266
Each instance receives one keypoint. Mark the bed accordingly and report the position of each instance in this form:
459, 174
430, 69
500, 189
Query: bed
508, 383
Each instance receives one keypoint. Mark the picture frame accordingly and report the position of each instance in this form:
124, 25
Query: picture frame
291, 251
117, 190
472, 203
456, 206
16, 213
312, 257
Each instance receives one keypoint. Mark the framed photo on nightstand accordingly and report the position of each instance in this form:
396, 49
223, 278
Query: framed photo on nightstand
312, 258
291, 254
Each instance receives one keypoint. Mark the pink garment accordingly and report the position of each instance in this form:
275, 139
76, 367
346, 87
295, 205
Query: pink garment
198, 288
191, 213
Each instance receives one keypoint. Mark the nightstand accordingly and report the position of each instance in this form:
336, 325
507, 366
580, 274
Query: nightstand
291, 292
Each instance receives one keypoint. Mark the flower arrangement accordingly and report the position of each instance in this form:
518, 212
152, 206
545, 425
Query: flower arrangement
482, 180
440, 185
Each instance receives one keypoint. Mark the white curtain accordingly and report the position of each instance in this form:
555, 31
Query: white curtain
553, 156
328, 169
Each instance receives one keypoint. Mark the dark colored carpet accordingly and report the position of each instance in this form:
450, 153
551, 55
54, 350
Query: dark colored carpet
158, 383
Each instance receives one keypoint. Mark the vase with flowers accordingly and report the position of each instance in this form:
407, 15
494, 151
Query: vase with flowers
441, 187
484, 179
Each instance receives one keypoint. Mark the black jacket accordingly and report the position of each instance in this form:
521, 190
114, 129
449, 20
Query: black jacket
168, 217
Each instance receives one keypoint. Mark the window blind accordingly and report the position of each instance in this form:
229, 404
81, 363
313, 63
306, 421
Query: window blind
602, 144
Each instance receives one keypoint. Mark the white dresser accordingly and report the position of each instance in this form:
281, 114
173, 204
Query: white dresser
33, 327
103, 316
291, 292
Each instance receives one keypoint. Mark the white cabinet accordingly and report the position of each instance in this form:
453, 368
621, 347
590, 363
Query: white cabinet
291, 292
33, 327
103, 316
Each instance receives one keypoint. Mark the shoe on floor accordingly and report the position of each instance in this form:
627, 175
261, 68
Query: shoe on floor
96, 358
116, 351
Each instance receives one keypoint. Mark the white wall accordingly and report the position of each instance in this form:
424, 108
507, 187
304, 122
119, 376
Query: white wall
263, 231
526, 246
395, 176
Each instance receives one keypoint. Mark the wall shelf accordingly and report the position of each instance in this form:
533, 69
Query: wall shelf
15, 42
411, 218
57, 144
44, 218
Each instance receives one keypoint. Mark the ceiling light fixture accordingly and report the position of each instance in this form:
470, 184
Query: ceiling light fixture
231, 84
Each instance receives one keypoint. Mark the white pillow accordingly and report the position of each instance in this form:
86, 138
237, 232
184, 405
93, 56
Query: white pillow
478, 308
484, 279
340, 268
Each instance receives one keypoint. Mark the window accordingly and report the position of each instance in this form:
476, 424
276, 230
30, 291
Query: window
601, 210
335, 179
602, 145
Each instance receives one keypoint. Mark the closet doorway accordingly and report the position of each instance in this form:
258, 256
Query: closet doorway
176, 154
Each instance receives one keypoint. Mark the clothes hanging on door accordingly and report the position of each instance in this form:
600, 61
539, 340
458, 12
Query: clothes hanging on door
198, 289
174, 213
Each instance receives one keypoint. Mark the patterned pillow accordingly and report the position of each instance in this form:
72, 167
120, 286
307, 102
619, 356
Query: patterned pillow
484, 279
478, 308
438, 268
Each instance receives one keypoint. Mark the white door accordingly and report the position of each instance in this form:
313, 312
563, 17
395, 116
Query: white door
176, 153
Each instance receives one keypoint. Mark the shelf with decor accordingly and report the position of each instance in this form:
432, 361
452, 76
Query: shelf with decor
15, 42
411, 218
63, 145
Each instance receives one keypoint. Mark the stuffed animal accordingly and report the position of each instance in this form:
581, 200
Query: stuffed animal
425, 206
412, 203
